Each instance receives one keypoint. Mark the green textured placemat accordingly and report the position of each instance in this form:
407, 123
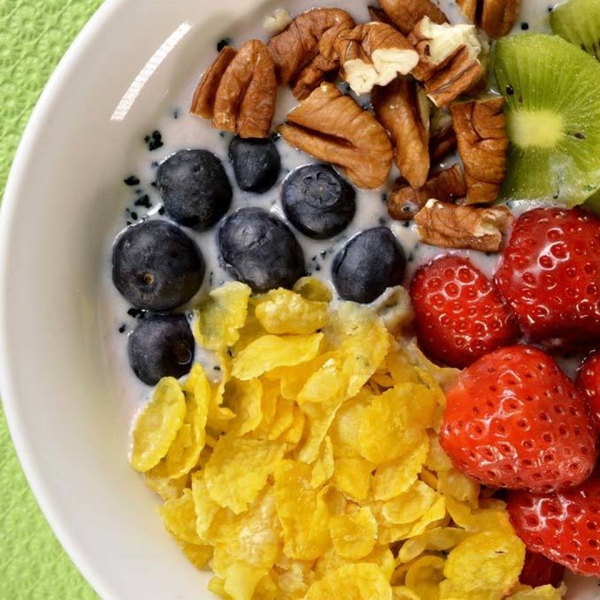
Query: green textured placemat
34, 34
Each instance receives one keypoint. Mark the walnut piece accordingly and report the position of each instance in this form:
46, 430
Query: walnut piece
449, 59
203, 103
405, 14
303, 52
238, 92
448, 185
495, 17
374, 54
406, 118
452, 226
334, 128
482, 143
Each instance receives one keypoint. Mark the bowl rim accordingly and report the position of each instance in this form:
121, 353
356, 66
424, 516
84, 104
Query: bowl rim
8, 210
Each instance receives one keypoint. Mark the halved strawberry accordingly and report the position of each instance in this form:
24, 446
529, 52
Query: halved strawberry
550, 275
514, 419
563, 526
539, 570
459, 314
588, 382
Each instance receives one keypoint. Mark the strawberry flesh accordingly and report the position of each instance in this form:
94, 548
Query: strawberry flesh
563, 526
588, 382
459, 313
514, 419
539, 570
550, 275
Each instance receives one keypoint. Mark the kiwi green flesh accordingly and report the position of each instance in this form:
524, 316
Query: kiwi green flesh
552, 91
578, 22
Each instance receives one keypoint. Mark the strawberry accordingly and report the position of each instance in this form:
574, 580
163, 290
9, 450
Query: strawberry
588, 382
514, 419
539, 570
459, 314
564, 526
550, 275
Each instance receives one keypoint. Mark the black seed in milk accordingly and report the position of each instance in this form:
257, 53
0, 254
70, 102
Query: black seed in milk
143, 201
122, 328
154, 140
226, 41
136, 313
131, 180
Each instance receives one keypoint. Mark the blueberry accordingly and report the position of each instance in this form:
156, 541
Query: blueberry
161, 346
195, 188
256, 163
370, 262
317, 201
260, 250
156, 266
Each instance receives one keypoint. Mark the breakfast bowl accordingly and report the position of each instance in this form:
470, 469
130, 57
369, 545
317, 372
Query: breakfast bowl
114, 111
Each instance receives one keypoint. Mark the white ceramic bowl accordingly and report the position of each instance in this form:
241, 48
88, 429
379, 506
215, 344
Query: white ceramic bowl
61, 399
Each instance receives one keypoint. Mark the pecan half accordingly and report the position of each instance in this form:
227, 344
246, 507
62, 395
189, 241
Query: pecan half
245, 100
495, 17
203, 103
442, 139
303, 53
399, 109
448, 185
238, 91
374, 54
452, 226
482, 143
334, 128
405, 14
378, 15
449, 59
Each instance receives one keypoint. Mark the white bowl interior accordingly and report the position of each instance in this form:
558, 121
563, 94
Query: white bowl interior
63, 403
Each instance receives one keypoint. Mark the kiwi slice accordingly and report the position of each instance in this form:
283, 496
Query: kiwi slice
552, 91
578, 21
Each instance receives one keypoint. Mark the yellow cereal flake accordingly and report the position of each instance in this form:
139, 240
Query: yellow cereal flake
358, 581
198, 555
394, 422
221, 315
179, 517
238, 469
302, 511
157, 424
456, 484
543, 592
311, 288
439, 538
165, 486
352, 476
353, 534
490, 560
282, 311
270, 351
424, 575
244, 399
322, 468
401, 592
478, 519
409, 506
393, 479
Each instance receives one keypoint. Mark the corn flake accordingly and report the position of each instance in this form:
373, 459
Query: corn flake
352, 582
179, 517
238, 469
311, 288
490, 560
270, 351
353, 534
221, 315
283, 311
157, 424
424, 576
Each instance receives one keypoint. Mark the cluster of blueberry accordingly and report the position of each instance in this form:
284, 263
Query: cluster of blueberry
158, 267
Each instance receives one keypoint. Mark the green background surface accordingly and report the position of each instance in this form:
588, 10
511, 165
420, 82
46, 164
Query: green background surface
34, 34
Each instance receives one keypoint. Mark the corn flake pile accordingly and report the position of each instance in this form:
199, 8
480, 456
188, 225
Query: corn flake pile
312, 468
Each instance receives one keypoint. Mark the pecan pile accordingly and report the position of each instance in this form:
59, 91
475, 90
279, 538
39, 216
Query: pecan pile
426, 80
